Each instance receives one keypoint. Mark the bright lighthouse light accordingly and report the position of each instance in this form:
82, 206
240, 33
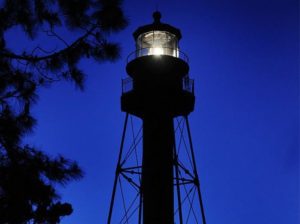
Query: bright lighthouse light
157, 51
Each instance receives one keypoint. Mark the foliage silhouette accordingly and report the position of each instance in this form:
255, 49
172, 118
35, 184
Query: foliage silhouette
27, 175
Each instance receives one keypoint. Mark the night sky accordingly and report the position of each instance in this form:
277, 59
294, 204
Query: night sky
244, 57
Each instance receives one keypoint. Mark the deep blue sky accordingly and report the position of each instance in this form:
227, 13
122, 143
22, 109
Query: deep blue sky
244, 57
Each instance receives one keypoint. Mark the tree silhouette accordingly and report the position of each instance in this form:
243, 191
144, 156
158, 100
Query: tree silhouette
27, 175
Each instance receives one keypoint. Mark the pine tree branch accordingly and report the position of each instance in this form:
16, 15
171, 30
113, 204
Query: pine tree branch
42, 50
34, 59
49, 79
51, 33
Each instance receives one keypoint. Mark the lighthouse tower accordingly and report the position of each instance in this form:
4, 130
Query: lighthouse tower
158, 91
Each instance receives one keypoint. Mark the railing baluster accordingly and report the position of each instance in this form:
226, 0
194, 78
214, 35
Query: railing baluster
127, 85
188, 84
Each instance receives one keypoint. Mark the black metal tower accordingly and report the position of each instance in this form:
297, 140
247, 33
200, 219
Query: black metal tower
161, 94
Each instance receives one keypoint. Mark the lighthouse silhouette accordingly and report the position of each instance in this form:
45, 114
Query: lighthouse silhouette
159, 93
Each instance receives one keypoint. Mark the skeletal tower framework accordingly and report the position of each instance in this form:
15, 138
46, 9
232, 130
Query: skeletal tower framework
156, 179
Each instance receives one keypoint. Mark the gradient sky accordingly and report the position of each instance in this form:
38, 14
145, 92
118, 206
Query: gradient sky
244, 57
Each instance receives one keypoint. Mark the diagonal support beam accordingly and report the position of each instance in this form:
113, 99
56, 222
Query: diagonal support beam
197, 182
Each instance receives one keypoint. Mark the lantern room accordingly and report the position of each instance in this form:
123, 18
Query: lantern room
157, 39
157, 53
157, 43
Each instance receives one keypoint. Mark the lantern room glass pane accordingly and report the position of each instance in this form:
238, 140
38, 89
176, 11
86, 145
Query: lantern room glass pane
157, 43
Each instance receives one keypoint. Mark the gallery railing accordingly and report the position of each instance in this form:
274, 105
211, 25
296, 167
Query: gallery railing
187, 85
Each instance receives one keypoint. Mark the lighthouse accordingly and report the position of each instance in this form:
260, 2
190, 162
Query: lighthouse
158, 90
